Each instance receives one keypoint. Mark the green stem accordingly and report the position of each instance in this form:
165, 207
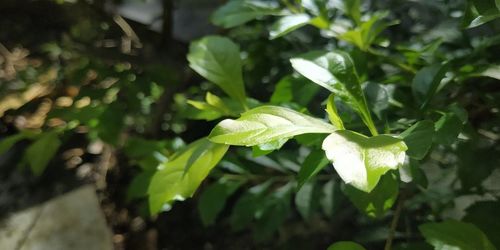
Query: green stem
394, 224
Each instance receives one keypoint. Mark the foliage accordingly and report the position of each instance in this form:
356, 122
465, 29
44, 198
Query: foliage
402, 102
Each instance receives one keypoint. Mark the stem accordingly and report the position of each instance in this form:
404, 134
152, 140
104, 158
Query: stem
394, 223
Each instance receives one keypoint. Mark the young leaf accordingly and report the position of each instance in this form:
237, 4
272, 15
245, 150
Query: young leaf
266, 124
426, 82
333, 115
213, 199
379, 201
313, 163
452, 234
288, 24
346, 245
218, 60
335, 71
366, 34
419, 139
361, 160
40, 152
179, 178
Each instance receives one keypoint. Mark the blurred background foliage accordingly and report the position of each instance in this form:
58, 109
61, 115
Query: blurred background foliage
101, 92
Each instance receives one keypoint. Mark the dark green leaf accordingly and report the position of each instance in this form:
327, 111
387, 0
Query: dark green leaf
452, 234
213, 199
480, 214
311, 166
40, 152
419, 138
426, 83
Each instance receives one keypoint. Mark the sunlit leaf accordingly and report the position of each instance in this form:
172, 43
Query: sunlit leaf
179, 178
218, 60
288, 24
265, 124
361, 160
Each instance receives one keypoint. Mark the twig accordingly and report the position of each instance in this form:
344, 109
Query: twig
394, 223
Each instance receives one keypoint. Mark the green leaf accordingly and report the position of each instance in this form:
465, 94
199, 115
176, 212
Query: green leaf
335, 71
275, 210
237, 12
426, 83
333, 115
268, 147
366, 34
379, 200
353, 9
294, 89
138, 188
40, 152
247, 206
448, 127
266, 124
361, 160
479, 12
419, 139
179, 178
218, 60
9, 141
377, 97
306, 200
213, 199
346, 245
331, 198
288, 24
452, 234
480, 214
311, 166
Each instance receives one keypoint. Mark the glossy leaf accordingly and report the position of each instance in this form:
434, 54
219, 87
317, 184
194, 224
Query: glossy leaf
288, 24
448, 127
335, 71
361, 160
379, 200
218, 60
179, 178
452, 234
266, 124
419, 138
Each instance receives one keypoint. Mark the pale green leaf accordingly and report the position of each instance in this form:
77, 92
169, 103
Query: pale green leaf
179, 178
288, 24
266, 124
218, 60
333, 115
361, 160
453, 234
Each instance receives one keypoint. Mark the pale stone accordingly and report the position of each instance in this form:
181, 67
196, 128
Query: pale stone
72, 221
